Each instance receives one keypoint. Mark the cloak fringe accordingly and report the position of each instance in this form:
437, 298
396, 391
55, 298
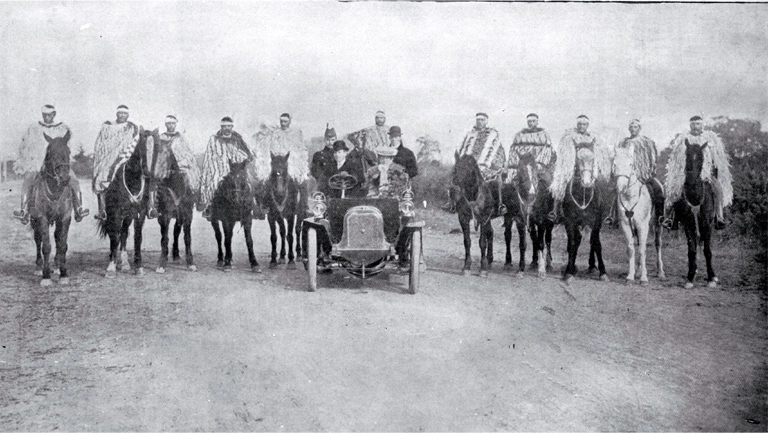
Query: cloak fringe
275, 140
33, 146
566, 160
714, 155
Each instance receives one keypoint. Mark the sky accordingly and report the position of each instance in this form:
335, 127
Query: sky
429, 66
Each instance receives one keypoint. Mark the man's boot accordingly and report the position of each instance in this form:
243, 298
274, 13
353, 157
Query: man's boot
152, 210
102, 213
207, 212
77, 204
554, 214
23, 213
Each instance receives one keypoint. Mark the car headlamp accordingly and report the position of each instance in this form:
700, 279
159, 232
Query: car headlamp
317, 205
406, 203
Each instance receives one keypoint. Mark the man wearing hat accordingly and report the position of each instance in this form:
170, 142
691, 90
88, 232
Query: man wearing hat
350, 166
280, 141
172, 147
365, 140
224, 148
404, 156
31, 156
716, 169
484, 144
323, 162
645, 157
573, 141
114, 146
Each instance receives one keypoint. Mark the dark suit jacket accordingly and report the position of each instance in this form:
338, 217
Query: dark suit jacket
407, 159
354, 167
323, 167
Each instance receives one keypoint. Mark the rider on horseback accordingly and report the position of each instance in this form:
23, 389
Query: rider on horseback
536, 142
171, 146
572, 142
224, 148
645, 156
114, 146
31, 154
484, 144
716, 170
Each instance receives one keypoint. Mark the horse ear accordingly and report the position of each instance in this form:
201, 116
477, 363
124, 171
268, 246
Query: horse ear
456, 156
287, 155
67, 136
47, 138
271, 155
687, 144
704, 146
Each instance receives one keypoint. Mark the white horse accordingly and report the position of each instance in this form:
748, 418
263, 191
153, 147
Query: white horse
635, 211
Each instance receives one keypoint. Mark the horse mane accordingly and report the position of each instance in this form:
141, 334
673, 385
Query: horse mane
467, 175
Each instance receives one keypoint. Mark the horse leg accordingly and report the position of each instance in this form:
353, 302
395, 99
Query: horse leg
113, 229
124, 228
46, 238
187, 224
548, 241
706, 239
465, 229
228, 228
289, 234
489, 254
537, 241
626, 228
483, 242
297, 231
281, 226
176, 232
272, 239
642, 237
164, 222
657, 241
61, 234
38, 248
508, 240
594, 242
522, 246
247, 224
217, 233
574, 240
138, 232
690, 232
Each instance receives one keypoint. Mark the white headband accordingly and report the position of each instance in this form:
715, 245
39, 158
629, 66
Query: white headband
226, 123
48, 109
170, 119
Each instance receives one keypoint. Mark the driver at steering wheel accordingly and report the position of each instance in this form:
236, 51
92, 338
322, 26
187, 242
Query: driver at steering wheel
350, 166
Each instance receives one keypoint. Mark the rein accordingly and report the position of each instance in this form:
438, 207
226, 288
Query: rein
695, 210
631, 211
573, 199
135, 199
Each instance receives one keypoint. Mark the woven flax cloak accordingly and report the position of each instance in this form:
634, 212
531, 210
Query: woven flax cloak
645, 156
369, 138
275, 140
535, 142
714, 156
114, 146
219, 152
566, 160
33, 146
485, 145
178, 145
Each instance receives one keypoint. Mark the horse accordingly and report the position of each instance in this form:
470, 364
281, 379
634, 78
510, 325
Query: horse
126, 201
634, 199
528, 204
474, 199
233, 202
583, 206
175, 199
51, 203
281, 197
696, 211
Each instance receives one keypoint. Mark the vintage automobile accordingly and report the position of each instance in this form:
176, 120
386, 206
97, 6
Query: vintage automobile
363, 236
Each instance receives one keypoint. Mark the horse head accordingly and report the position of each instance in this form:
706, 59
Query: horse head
279, 172
467, 178
694, 161
623, 167
56, 163
238, 186
584, 168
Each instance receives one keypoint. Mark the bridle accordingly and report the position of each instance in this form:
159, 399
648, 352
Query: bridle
134, 198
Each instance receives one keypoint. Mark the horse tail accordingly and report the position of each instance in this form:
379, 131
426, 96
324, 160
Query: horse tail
102, 229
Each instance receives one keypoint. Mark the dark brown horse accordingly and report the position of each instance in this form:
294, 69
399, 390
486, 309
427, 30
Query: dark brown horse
696, 211
233, 202
478, 200
584, 206
528, 202
126, 203
51, 204
281, 196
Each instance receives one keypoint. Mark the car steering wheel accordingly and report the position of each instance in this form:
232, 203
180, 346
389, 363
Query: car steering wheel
343, 181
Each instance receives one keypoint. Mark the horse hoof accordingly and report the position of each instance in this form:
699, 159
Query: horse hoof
126, 268
192, 268
291, 266
160, 270
110, 274
220, 263
715, 279
550, 268
604, 277
227, 268
542, 275
688, 285
464, 272
57, 271
64, 281
644, 283
591, 270
520, 274
38, 272
568, 279
273, 265
712, 284
45, 282
662, 277
139, 271
508, 265
176, 259
483, 274
257, 269
281, 262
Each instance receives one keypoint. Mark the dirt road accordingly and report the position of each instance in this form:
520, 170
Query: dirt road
242, 351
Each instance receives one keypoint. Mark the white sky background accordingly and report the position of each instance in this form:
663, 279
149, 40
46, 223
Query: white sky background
430, 66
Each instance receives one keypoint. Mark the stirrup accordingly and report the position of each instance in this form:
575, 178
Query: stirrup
207, 213
81, 213
552, 216
20, 214
152, 213
101, 215
665, 222
449, 207
502, 210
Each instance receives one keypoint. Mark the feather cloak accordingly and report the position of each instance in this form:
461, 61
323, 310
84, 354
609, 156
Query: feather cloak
275, 140
177, 145
33, 146
645, 156
566, 160
218, 155
714, 156
114, 146
535, 142
485, 145
369, 138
